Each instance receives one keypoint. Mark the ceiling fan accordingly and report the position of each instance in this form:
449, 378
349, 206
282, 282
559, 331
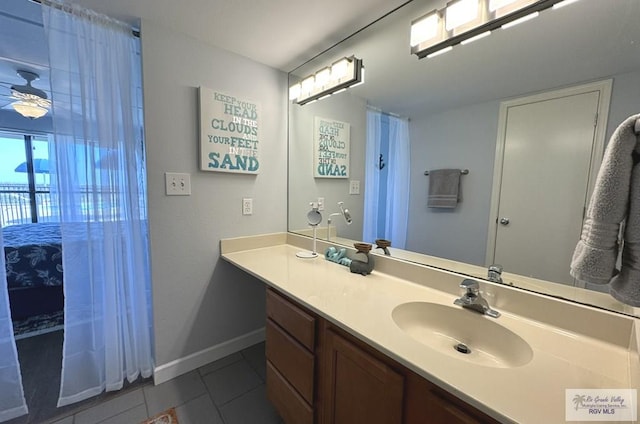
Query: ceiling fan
29, 101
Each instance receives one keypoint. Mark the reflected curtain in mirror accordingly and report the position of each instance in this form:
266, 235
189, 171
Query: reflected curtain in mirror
386, 200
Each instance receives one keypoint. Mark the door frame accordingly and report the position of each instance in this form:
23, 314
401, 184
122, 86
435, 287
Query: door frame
597, 149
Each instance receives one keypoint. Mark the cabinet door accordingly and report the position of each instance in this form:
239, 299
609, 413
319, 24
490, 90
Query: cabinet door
358, 387
427, 404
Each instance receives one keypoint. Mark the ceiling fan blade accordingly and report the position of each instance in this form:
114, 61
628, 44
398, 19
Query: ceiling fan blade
4, 104
27, 91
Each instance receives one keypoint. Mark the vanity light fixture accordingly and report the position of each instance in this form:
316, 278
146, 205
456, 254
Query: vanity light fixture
563, 4
464, 21
464, 15
501, 8
342, 74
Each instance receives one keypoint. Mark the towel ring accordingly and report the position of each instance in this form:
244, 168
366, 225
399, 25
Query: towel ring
466, 171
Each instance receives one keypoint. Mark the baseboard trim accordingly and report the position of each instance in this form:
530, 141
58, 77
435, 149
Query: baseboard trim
195, 360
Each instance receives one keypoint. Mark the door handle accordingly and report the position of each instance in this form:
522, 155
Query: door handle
504, 221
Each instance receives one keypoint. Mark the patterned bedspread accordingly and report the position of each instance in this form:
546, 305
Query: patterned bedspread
33, 254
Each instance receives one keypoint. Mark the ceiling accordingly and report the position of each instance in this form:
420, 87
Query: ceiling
555, 50
285, 34
279, 33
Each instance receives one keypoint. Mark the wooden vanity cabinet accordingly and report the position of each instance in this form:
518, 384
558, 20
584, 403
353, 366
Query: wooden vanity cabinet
357, 386
290, 353
427, 403
318, 373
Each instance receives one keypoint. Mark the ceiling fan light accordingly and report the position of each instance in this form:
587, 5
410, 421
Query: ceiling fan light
29, 109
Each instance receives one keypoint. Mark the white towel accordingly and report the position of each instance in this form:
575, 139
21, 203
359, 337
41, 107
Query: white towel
444, 188
596, 253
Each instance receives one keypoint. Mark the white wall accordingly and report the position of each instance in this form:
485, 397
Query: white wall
462, 138
625, 99
201, 302
303, 187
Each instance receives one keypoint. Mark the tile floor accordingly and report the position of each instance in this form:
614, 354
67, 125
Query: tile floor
228, 391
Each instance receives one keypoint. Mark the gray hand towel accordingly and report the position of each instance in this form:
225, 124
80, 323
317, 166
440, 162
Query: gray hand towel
626, 285
595, 255
444, 188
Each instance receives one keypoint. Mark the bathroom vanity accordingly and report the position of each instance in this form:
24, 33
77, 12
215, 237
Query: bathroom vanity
317, 372
345, 348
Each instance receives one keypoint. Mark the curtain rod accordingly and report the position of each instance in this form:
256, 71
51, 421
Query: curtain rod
134, 32
377, 109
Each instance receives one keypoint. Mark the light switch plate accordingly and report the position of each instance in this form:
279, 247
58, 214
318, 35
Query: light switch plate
177, 184
354, 187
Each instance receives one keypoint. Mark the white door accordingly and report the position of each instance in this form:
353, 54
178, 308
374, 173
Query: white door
547, 160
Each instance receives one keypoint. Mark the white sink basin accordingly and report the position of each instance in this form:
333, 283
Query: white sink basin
444, 328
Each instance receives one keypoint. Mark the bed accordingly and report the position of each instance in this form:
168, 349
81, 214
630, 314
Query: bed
33, 254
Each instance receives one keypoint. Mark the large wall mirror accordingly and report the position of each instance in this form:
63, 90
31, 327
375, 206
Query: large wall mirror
458, 107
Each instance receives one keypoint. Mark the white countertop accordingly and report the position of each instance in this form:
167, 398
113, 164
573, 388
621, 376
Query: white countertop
362, 305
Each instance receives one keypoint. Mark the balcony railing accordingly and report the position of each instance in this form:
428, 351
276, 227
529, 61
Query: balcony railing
15, 205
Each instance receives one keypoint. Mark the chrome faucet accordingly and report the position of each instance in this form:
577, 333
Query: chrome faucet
495, 273
472, 299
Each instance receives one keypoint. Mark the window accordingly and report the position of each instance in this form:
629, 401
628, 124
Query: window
24, 180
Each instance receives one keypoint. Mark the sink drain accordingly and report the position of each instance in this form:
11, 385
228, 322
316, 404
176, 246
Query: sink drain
462, 348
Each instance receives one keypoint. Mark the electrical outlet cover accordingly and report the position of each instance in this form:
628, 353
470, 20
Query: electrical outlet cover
354, 187
247, 206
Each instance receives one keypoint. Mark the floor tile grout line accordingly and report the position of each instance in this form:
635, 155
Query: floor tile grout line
242, 358
93, 402
254, 369
264, 357
240, 395
146, 404
121, 412
215, 405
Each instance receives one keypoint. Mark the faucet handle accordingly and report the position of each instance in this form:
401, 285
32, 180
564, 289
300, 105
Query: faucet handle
471, 286
496, 268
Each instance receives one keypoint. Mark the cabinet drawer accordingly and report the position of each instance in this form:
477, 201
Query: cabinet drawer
292, 360
292, 319
291, 407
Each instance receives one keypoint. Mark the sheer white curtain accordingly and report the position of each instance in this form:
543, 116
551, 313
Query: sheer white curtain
12, 403
398, 182
99, 183
396, 208
372, 177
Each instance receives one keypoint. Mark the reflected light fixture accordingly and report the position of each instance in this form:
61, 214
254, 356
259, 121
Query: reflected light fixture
342, 74
463, 15
29, 108
464, 21
428, 30
30, 102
